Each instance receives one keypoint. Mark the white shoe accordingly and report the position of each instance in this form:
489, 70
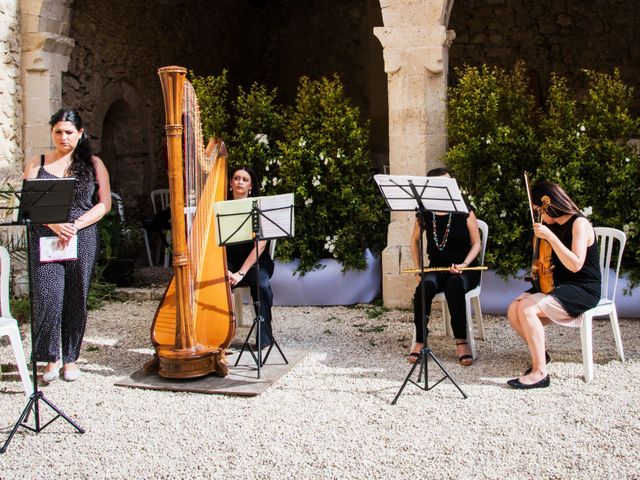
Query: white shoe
49, 377
72, 375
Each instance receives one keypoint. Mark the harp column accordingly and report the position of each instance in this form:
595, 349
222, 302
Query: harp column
172, 79
415, 45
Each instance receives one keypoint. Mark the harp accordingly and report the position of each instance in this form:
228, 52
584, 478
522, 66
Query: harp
194, 322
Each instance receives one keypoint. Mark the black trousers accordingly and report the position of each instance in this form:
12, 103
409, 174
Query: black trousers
263, 283
454, 287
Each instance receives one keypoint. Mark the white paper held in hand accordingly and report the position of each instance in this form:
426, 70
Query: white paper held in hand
52, 251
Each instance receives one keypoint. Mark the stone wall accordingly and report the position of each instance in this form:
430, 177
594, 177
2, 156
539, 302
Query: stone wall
550, 36
10, 91
112, 75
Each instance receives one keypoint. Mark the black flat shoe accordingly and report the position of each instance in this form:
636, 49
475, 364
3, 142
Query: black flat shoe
515, 383
547, 360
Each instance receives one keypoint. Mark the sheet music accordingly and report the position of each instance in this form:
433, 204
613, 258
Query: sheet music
51, 251
276, 219
438, 194
233, 221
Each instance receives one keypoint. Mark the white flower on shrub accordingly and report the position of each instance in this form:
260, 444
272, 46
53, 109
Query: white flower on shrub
503, 213
264, 182
302, 142
275, 181
262, 139
587, 211
488, 141
338, 155
581, 130
266, 169
499, 169
308, 201
627, 159
316, 180
330, 243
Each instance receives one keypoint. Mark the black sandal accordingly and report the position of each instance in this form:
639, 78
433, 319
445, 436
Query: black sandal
465, 360
413, 357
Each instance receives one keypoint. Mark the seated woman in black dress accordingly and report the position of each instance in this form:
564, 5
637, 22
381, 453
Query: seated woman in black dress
576, 278
241, 258
452, 240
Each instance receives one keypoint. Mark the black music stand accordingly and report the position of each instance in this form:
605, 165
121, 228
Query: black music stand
408, 193
271, 217
41, 201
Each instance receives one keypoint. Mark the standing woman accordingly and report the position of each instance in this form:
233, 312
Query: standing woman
452, 241
60, 288
241, 258
576, 278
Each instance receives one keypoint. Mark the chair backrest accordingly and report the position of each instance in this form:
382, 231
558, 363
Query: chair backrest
5, 270
606, 238
484, 234
119, 204
160, 199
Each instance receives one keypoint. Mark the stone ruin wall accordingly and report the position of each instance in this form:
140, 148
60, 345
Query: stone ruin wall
550, 36
11, 154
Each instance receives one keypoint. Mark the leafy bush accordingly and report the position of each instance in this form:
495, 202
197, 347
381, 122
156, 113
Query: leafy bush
583, 144
326, 163
316, 149
258, 126
492, 129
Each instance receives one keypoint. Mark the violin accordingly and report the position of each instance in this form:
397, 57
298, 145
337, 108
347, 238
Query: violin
542, 264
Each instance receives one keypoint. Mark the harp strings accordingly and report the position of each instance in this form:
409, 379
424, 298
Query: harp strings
195, 181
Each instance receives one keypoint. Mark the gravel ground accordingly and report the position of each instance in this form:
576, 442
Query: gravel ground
331, 416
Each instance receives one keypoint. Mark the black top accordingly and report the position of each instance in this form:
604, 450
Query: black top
458, 241
238, 253
579, 291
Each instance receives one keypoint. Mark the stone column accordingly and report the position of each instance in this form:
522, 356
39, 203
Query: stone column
415, 42
45, 55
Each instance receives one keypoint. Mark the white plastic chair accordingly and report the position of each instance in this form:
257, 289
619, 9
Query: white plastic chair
9, 325
160, 200
471, 298
606, 238
240, 293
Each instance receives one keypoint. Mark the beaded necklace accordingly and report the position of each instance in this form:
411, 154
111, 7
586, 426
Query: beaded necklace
442, 244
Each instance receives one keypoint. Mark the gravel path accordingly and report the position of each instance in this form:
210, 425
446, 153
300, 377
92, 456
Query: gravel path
331, 417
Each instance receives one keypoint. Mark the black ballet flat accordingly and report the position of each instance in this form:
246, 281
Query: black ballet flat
547, 360
517, 384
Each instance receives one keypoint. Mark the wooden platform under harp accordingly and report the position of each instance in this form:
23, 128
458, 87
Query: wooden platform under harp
195, 322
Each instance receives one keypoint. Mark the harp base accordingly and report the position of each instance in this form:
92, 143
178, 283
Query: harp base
193, 363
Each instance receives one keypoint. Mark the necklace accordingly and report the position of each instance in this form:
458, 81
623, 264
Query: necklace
442, 244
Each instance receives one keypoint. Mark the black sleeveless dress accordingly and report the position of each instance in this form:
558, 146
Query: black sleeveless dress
60, 289
576, 291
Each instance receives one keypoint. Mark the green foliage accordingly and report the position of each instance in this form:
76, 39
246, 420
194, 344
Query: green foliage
20, 309
583, 144
212, 93
492, 128
258, 124
586, 149
325, 162
118, 238
316, 149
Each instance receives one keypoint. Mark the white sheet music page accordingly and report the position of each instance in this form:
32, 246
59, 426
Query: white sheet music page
438, 194
277, 216
52, 251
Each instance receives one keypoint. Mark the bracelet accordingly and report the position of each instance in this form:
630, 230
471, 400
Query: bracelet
241, 273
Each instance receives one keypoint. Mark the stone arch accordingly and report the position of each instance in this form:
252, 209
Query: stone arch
122, 140
46, 48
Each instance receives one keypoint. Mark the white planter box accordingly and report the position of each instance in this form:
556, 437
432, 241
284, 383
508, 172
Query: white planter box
326, 286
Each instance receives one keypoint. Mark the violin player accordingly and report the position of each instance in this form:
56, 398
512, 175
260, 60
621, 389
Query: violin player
576, 279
